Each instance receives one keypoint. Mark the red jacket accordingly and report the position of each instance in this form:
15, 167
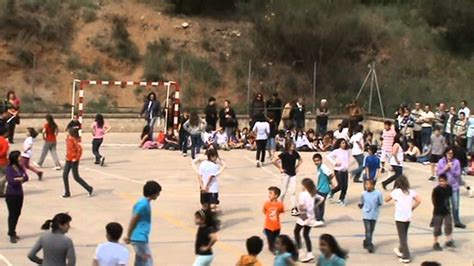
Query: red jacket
73, 149
4, 147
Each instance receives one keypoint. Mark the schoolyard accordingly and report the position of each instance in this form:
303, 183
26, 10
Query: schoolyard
243, 190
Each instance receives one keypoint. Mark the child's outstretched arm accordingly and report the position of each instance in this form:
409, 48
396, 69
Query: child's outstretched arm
223, 165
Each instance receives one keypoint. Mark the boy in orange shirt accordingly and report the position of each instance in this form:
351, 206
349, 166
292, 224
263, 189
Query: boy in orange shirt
272, 210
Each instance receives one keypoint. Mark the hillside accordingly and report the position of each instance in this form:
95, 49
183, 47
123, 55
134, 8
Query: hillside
138, 40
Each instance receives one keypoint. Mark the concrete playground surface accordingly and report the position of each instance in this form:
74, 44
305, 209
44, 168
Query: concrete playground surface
243, 190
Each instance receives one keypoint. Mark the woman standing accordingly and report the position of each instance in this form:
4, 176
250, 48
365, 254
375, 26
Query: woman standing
257, 108
151, 111
396, 161
50, 131
73, 155
406, 200
13, 108
340, 158
99, 129
16, 176
227, 119
195, 126
58, 249
262, 130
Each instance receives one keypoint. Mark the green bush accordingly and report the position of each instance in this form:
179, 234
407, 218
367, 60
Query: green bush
100, 105
123, 47
200, 69
89, 15
73, 61
153, 61
22, 49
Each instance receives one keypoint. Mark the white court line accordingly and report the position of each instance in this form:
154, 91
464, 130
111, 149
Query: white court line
7, 263
263, 168
114, 145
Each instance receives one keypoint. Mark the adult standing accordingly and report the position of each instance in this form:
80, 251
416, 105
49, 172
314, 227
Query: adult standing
50, 132
357, 142
460, 129
449, 125
299, 113
195, 126
427, 118
140, 225
274, 106
440, 116
406, 128
470, 134
451, 167
287, 115
58, 249
16, 176
4, 147
396, 161
322, 117
256, 109
416, 114
13, 107
262, 131
227, 119
211, 113
355, 115
151, 111
406, 200
464, 109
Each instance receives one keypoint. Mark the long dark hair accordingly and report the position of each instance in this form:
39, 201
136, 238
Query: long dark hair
309, 185
333, 245
290, 246
74, 132
402, 183
49, 118
288, 144
339, 142
14, 158
33, 133
99, 119
58, 219
208, 217
145, 131
10, 92
149, 95
194, 119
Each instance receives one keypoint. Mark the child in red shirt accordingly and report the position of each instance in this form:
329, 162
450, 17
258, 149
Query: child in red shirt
272, 210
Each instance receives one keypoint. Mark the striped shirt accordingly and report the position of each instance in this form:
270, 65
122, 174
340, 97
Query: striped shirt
388, 137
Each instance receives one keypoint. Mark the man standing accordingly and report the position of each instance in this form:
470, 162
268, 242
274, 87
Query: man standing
416, 113
427, 118
211, 113
274, 108
151, 111
140, 225
256, 109
4, 146
464, 109
440, 116
322, 116
299, 114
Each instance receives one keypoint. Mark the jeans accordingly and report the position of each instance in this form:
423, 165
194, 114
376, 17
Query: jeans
51, 147
271, 238
321, 129
425, 136
417, 137
288, 185
3, 180
183, 142
369, 231
402, 229
14, 205
74, 166
299, 123
203, 260
398, 172
319, 210
11, 130
358, 171
261, 147
470, 144
342, 184
307, 239
455, 206
142, 254
151, 122
195, 144
96, 143
449, 139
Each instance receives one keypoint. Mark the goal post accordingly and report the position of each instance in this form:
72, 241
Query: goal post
170, 113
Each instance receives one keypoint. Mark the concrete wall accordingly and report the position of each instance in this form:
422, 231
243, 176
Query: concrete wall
132, 123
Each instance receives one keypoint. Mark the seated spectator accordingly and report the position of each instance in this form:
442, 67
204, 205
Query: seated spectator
236, 141
222, 140
161, 139
342, 132
171, 141
369, 140
146, 139
425, 156
280, 140
251, 142
412, 153
326, 142
209, 138
301, 141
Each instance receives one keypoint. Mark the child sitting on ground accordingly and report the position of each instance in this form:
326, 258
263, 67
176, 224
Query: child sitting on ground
236, 141
280, 140
209, 138
171, 141
254, 246
222, 140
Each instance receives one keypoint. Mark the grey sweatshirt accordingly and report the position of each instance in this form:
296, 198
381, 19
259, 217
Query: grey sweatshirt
57, 249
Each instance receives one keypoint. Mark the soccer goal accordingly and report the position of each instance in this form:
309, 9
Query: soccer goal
171, 107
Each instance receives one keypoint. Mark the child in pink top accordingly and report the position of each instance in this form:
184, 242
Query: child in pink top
340, 158
388, 135
99, 129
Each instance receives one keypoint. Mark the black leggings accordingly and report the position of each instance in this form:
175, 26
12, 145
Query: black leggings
307, 239
74, 166
96, 143
342, 184
261, 147
14, 205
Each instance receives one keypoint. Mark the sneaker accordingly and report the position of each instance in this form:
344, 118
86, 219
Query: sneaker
37, 165
65, 195
432, 178
364, 244
13, 240
90, 192
370, 248
102, 161
426, 163
185, 154
309, 257
398, 252
469, 192
437, 247
295, 212
40, 176
57, 168
382, 171
402, 260
450, 244
460, 225
96, 162
259, 164
317, 223
341, 203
